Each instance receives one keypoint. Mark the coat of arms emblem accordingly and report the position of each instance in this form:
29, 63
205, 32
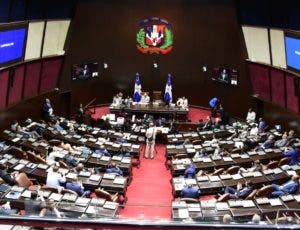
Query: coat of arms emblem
154, 36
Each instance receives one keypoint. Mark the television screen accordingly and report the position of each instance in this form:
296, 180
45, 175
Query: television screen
225, 75
12, 43
292, 49
85, 71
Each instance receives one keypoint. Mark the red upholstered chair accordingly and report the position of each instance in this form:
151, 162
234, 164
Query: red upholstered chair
218, 172
40, 160
197, 142
64, 191
264, 191
233, 169
18, 153
54, 142
224, 197
189, 200
251, 195
49, 188
31, 156
63, 165
272, 165
101, 193
284, 161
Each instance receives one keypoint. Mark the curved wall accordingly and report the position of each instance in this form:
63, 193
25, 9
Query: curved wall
205, 33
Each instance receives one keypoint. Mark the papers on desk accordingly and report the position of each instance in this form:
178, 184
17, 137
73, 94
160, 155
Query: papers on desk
214, 178
135, 146
194, 207
95, 177
69, 197
268, 171
179, 204
109, 176
17, 188
93, 140
56, 197
183, 213
207, 160
97, 201
116, 158
275, 202
235, 203
13, 161
297, 198
190, 150
208, 203
277, 170
291, 172
261, 153
202, 178
248, 203
225, 176
116, 145
110, 205
179, 187
7, 156
15, 139
287, 198
119, 180
244, 156
262, 201
82, 201
6, 131
85, 174
31, 139
126, 160
126, 144
23, 161
235, 155
26, 194
105, 158
191, 181
13, 195
222, 206
257, 174
227, 159
42, 166
43, 144
236, 176
71, 175
3, 161
19, 167
252, 153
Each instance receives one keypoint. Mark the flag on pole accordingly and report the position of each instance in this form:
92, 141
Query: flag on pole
168, 90
137, 88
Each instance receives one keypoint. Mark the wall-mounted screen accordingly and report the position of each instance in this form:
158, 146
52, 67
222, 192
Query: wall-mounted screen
12, 44
292, 49
85, 71
225, 75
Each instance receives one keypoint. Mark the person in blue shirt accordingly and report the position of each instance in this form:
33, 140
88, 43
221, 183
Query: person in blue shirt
261, 125
103, 151
293, 153
289, 187
47, 109
240, 191
190, 192
77, 187
57, 127
114, 169
213, 103
190, 171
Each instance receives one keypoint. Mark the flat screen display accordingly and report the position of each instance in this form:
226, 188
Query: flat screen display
292, 49
225, 75
85, 71
12, 42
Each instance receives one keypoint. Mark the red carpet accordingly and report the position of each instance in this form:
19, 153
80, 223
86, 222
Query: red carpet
99, 112
150, 192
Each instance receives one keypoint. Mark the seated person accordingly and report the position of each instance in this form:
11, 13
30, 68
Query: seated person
70, 160
76, 186
50, 210
240, 192
251, 115
214, 103
293, 153
114, 169
57, 127
253, 130
8, 178
257, 166
269, 143
35, 205
218, 123
103, 151
190, 171
52, 155
291, 136
282, 142
208, 123
54, 178
185, 103
190, 191
145, 99
179, 102
22, 130
200, 124
290, 187
67, 147
200, 155
261, 125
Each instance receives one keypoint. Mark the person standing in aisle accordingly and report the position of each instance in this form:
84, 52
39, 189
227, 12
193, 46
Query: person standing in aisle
150, 141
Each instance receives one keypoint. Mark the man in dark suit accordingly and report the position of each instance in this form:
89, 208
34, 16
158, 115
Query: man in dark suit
289, 187
47, 110
190, 192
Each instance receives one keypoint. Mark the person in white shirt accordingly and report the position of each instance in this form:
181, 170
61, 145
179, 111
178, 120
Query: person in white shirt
185, 103
251, 115
179, 102
150, 141
53, 153
145, 99
254, 130
54, 178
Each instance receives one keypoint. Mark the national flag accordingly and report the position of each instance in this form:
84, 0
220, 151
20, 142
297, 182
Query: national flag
137, 89
168, 90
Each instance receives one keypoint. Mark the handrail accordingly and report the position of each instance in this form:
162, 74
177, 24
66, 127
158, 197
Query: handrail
90, 102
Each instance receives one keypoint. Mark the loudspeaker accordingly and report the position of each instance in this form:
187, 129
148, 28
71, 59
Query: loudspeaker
296, 86
11, 78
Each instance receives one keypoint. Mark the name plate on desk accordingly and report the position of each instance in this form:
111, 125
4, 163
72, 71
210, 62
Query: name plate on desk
97, 201
85, 174
275, 202
287, 198
119, 180
109, 176
110, 205
116, 158
225, 176
82, 201
13, 195
179, 204
202, 178
214, 178
95, 177
126, 160
262, 201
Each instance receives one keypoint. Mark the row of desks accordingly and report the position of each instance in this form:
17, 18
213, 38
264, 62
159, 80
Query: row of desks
215, 184
240, 210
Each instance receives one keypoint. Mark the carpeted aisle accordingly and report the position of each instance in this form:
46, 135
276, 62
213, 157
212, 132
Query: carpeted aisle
150, 192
